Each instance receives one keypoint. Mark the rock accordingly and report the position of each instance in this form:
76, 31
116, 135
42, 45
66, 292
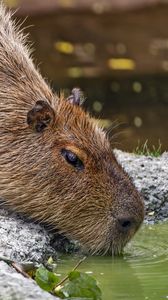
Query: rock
22, 241
13, 286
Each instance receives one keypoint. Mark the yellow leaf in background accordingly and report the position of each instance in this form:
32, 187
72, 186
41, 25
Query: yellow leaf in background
75, 72
121, 64
64, 47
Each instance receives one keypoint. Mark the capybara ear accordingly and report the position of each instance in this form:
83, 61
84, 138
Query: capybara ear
76, 97
40, 116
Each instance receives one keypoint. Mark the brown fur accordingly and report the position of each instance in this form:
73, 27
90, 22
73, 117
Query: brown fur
36, 179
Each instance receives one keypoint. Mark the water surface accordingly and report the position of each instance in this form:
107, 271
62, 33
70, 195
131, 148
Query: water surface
142, 272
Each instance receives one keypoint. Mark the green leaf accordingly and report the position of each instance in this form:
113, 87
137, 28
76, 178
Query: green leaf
45, 279
74, 275
80, 285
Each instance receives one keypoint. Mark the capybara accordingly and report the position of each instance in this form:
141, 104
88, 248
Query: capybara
56, 163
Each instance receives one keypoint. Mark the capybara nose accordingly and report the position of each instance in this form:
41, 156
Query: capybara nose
126, 224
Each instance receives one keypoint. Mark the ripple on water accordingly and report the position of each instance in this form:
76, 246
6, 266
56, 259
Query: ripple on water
150, 246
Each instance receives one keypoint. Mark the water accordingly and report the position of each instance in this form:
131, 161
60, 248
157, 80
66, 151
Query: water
142, 273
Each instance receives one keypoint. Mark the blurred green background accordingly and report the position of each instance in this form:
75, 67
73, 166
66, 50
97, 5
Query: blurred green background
116, 51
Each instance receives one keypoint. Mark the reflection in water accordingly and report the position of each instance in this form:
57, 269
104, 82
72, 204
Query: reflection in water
142, 273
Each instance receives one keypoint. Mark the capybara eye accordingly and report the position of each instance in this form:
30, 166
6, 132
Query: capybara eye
72, 159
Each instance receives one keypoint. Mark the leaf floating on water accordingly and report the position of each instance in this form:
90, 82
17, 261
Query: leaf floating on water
80, 285
46, 279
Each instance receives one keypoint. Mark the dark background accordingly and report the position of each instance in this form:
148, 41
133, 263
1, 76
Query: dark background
116, 51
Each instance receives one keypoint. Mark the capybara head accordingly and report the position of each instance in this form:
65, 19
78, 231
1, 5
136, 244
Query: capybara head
57, 164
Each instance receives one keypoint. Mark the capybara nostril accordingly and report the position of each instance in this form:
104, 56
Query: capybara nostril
126, 224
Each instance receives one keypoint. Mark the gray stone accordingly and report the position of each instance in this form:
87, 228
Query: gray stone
13, 286
22, 241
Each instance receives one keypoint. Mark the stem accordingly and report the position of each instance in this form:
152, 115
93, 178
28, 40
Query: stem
19, 270
66, 277
14, 265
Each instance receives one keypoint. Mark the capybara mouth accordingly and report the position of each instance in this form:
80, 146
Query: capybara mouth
112, 249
